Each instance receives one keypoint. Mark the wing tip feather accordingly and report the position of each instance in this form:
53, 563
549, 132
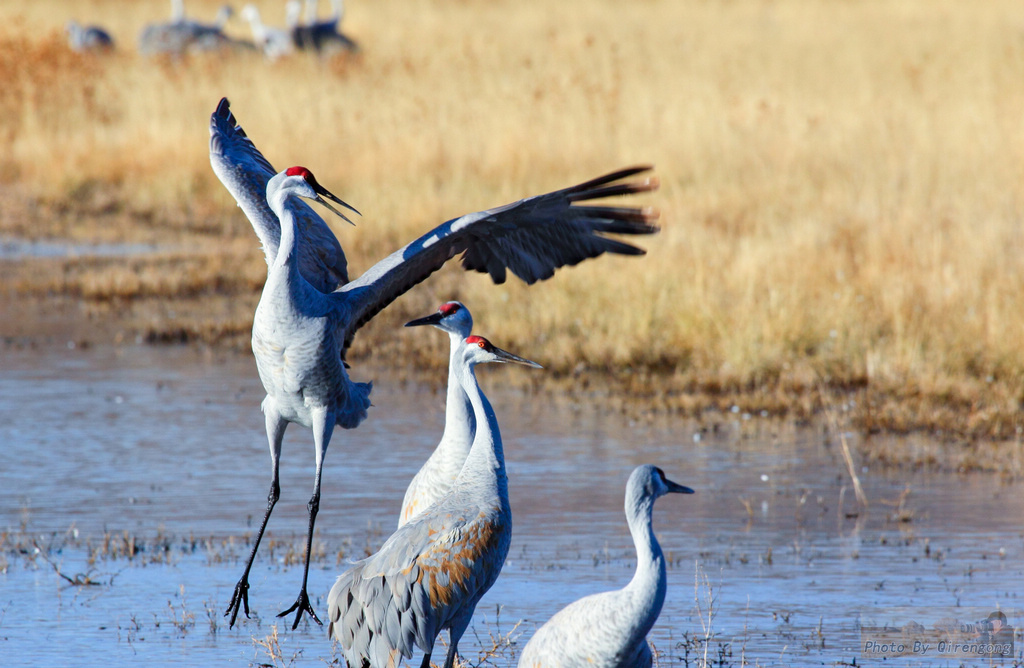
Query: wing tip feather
650, 216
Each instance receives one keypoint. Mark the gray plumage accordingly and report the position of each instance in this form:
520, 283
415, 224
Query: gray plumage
430, 574
273, 42
322, 36
181, 35
609, 630
302, 329
436, 476
82, 39
531, 238
296, 340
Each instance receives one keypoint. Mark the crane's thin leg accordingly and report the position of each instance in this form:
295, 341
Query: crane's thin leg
323, 427
455, 631
275, 434
426, 661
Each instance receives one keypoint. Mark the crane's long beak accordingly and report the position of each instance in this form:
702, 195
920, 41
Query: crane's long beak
431, 319
320, 190
506, 356
677, 488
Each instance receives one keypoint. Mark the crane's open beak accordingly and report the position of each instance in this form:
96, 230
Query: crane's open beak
431, 319
506, 356
320, 190
677, 488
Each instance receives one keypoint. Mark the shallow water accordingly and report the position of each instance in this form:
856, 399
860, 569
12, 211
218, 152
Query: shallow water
18, 249
168, 443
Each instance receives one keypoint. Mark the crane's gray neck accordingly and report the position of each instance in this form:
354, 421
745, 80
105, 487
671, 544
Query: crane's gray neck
484, 469
458, 409
649, 583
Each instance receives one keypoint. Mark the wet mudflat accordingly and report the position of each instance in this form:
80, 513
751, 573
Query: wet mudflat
143, 470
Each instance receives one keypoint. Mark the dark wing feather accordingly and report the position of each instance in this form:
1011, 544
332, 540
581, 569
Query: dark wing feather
245, 172
531, 238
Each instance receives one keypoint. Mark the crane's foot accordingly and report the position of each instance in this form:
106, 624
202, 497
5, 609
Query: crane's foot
301, 605
239, 598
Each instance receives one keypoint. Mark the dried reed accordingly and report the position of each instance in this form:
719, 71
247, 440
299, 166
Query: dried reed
843, 183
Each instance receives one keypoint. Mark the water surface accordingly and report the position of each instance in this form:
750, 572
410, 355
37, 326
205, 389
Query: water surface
166, 445
12, 248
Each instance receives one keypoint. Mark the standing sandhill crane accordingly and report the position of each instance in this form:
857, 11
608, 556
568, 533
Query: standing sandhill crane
88, 38
181, 34
322, 36
609, 630
439, 472
274, 42
430, 574
301, 332
210, 36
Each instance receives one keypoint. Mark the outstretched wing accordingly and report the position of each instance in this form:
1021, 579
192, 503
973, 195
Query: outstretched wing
245, 172
531, 238
430, 571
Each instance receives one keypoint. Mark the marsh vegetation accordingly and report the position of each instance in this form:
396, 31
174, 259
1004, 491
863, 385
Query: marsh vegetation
842, 191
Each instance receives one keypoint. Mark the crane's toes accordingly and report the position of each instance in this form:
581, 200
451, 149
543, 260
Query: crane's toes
239, 598
301, 605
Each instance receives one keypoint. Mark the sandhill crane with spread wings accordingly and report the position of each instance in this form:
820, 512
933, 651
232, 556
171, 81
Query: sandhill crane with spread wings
304, 326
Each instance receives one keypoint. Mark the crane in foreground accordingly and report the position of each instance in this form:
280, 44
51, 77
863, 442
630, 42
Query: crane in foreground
609, 630
436, 476
430, 574
303, 326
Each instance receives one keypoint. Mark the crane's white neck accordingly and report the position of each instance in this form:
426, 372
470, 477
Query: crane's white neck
311, 11
484, 469
292, 14
458, 409
649, 583
286, 250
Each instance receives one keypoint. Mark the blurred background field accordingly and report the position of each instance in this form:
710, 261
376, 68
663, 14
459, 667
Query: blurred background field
841, 203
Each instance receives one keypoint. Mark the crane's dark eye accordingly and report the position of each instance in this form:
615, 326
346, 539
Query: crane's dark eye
449, 308
661, 474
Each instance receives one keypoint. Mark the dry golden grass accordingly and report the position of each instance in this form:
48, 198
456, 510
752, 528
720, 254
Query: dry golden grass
842, 182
